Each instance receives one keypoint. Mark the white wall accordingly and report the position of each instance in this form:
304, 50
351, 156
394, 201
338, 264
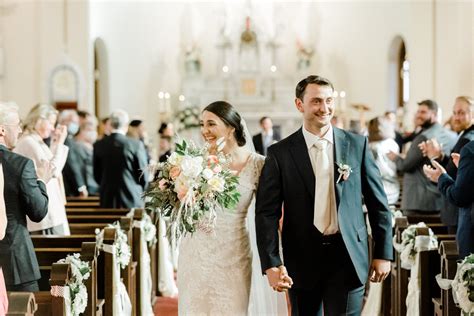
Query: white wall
32, 34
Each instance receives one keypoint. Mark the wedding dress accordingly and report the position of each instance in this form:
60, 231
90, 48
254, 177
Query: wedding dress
215, 268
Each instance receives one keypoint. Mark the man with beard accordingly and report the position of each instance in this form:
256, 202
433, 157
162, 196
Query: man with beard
421, 196
462, 123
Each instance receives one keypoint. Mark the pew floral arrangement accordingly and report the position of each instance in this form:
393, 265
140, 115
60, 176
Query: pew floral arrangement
122, 248
463, 285
395, 214
411, 244
149, 230
80, 271
191, 185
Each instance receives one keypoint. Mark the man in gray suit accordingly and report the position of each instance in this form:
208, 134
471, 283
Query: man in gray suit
25, 195
462, 123
421, 196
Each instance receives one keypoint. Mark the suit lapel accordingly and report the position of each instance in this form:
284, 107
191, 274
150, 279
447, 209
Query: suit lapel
341, 148
300, 155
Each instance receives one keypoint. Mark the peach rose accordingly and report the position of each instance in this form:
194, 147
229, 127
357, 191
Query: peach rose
175, 172
212, 159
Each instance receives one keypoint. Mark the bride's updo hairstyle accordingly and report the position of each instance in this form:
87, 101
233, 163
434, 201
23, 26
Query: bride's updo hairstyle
226, 112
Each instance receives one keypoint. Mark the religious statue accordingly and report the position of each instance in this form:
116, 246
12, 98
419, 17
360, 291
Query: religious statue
304, 55
192, 61
248, 52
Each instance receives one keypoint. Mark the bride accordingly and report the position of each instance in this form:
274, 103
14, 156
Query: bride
217, 274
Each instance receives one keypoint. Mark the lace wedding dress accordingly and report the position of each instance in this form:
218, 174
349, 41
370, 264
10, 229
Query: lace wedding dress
215, 268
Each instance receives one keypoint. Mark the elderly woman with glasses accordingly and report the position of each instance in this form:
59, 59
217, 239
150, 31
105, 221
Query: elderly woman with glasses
38, 126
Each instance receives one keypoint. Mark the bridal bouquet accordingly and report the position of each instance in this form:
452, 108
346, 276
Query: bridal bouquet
190, 186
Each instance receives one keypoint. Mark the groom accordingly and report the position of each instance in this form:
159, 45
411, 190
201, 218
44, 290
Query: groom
321, 176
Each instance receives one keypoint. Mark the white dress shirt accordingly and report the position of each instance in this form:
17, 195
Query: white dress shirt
310, 140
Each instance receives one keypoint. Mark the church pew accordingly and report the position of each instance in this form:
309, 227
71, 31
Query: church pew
97, 211
429, 265
48, 256
92, 219
47, 303
444, 304
21, 304
398, 276
78, 202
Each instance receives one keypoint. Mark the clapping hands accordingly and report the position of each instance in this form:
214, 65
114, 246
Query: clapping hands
433, 173
279, 279
431, 148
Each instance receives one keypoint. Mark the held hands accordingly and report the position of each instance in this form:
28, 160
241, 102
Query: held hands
433, 174
279, 279
431, 149
379, 270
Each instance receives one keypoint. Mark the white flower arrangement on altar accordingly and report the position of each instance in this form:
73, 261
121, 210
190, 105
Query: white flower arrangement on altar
80, 271
463, 285
122, 248
190, 186
408, 247
188, 118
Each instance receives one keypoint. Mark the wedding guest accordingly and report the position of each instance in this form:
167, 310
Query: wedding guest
392, 118
137, 130
381, 142
337, 121
166, 129
119, 163
40, 123
85, 139
266, 137
459, 192
105, 129
74, 182
165, 148
24, 195
462, 123
419, 195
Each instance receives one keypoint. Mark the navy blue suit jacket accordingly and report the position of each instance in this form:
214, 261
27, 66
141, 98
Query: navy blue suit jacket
288, 179
460, 192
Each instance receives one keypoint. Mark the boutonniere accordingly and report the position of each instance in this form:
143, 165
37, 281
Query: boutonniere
344, 171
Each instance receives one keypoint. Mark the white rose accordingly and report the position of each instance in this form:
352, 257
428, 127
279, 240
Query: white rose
175, 159
207, 173
216, 184
191, 167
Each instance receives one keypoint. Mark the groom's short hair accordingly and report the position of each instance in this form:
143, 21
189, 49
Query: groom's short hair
301, 86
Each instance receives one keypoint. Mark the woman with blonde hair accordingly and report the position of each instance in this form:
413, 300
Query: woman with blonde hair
39, 125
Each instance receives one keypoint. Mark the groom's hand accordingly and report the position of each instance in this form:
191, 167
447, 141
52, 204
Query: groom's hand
379, 270
278, 278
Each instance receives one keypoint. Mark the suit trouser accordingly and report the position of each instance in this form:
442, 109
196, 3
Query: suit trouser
338, 290
31, 286
465, 233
